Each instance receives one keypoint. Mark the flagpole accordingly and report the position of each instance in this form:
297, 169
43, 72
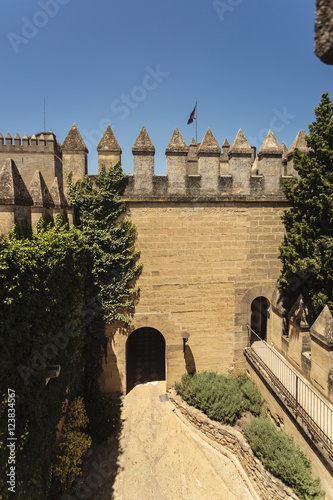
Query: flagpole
196, 123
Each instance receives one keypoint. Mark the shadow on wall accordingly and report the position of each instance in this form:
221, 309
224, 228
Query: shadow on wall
189, 360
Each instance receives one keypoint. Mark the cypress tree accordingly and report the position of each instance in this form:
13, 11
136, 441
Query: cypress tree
307, 251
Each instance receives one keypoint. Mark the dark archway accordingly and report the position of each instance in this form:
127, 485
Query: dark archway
145, 357
259, 314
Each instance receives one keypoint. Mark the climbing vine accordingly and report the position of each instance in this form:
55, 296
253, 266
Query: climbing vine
42, 322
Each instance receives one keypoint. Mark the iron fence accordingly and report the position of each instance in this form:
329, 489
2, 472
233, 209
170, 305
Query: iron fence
316, 414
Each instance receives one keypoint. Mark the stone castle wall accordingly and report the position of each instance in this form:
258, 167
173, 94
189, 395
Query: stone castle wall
208, 233
203, 264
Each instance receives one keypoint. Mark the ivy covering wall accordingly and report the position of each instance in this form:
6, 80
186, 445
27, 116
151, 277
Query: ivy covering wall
42, 322
58, 288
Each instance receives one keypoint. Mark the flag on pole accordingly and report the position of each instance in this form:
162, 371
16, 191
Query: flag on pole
193, 115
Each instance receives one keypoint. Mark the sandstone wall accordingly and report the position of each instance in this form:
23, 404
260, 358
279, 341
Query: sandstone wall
203, 264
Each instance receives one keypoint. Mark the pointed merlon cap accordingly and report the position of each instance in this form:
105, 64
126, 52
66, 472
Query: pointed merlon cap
279, 303
12, 188
17, 138
25, 138
299, 143
177, 145
225, 143
284, 151
209, 145
270, 146
109, 142
143, 144
193, 142
38, 190
322, 328
57, 194
254, 168
1, 138
8, 138
33, 139
240, 146
299, 313
74, 141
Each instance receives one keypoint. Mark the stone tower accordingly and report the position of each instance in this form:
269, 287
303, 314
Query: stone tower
74, 156
109, 151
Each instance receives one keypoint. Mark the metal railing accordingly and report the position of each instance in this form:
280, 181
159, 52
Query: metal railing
316, 414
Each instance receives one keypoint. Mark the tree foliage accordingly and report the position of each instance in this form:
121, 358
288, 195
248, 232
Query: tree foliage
307, 252
110, 236
73, 445
58, 288
42, 322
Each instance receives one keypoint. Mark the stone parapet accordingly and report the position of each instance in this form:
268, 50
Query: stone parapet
37, 143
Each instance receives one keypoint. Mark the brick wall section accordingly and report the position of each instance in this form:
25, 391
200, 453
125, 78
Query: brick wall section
266, 485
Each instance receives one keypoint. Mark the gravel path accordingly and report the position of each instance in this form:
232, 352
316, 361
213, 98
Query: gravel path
161, 458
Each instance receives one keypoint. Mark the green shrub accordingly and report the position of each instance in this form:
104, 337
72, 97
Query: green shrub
73, 445
251, 397
103, 413
217, 395
280, 456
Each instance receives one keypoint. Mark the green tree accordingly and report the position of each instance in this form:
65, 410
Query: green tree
112, 268
110, 236
307, 252
42, 322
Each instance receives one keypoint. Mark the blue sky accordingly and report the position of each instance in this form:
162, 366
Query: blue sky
249, 64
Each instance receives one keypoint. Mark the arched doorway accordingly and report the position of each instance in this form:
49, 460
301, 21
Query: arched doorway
259, 314
145, 357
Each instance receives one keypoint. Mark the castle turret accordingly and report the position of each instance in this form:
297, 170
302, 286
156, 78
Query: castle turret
209, 153
40, 151
176, 160
74, 156
143, 162
270, 164
299, 143
240, 161
109, 151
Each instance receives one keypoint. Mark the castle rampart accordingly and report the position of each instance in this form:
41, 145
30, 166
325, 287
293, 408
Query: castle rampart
208, 231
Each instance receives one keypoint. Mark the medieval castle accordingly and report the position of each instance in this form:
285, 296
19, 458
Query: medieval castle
208, 233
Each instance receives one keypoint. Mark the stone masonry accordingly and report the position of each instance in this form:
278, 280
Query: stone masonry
208, 233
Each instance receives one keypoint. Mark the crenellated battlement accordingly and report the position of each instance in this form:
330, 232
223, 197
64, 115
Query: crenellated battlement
37, 143
39, 165
207, 171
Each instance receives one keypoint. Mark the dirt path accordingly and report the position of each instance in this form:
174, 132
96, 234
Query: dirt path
161, 458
